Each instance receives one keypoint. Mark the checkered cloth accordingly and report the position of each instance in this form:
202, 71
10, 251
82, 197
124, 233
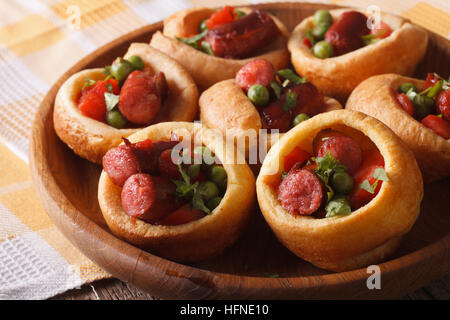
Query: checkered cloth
39, 40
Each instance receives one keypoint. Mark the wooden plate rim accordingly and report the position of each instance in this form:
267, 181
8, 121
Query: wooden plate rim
64, 213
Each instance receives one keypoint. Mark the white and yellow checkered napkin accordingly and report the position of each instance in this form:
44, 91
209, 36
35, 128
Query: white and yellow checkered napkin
39, 40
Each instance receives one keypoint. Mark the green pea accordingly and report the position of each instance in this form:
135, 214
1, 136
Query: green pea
194, 170
120, 69
208, 190
319, 31
322, 17
299, 118
405, 87
342, 183
423, 106
213, 203
116, 119
217, 174
323, 49
136, 62
202, 27
259, 95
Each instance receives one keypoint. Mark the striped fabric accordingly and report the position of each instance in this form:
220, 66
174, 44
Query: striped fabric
39, 40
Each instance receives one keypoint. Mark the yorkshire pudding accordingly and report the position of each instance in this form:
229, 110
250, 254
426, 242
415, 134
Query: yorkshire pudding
375, 97
207, 69
338, 76
90, 138
196, 240
370, 233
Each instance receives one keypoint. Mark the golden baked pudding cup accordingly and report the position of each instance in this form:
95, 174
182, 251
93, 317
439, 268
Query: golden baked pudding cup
196, 240
207, 69
376, 97
369, 234
338, 76
90, 138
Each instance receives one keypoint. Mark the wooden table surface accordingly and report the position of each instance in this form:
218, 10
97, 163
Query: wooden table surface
114, 289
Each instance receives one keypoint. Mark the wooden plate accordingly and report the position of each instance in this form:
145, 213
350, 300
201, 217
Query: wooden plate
257, 266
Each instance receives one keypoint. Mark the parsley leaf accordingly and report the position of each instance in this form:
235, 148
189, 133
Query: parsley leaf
107, 70
338, 207
327, 165
184, 189
184, 175
370, 188
311, 37
380, 175
206, 48
276, 88
291, 76
291, 101
88, 82
109, 87
111, 100
193, 41
197, 202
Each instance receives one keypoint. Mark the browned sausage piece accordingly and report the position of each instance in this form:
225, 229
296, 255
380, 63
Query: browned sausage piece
309, 99
240, 38
148, 155
149, 198
120, 163
274, 117
301, 192
345, 34
259, 71
141, 96
344, 149
167, 167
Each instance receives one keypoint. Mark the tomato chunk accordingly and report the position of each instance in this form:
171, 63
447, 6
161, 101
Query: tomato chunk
372, 157
182, 215
443, 104
430, 81
384, 31
296, 155
405, 103
438, 125
322, 136
307, 42
92, 100
225, 15
358, 196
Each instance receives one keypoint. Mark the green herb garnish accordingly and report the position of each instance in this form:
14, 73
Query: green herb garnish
291, 76
193, 41
111, 100
291, 101
380, 175
311, 37
327, 165
109, 87
337, 207
184, 189
88, 82
276, 89
240, 13
206, 48
107, 70
197, 202
372, 38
